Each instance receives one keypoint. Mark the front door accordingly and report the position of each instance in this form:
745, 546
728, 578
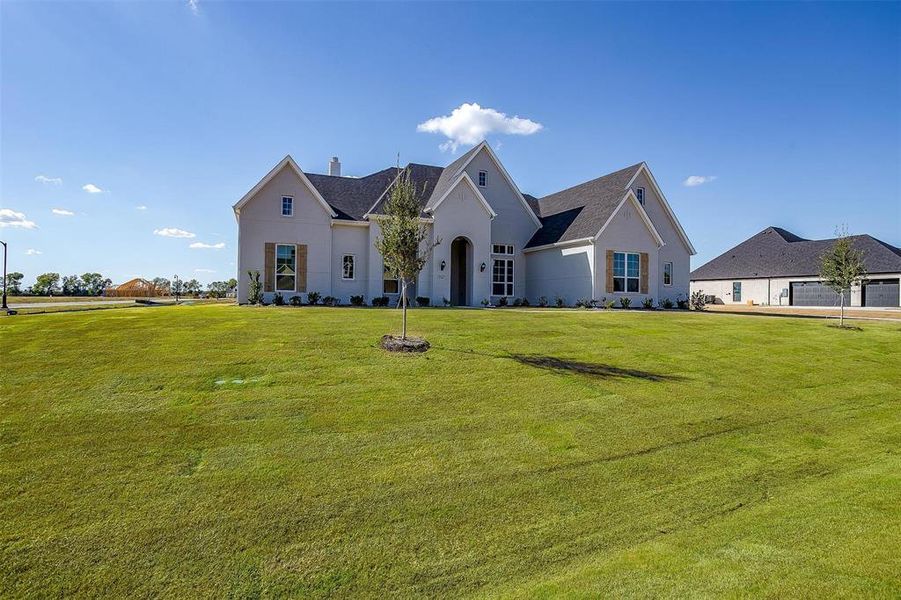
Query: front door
459, 272
736, 291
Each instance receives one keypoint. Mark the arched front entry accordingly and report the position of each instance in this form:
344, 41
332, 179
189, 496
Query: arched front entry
461, 272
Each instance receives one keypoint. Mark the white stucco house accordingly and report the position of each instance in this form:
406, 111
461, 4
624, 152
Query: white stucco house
609, 237
778, 268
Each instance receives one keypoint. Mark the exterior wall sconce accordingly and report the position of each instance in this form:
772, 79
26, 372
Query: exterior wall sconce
482, 268
443, 264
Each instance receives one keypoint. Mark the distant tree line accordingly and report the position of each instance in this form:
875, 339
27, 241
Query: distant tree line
93, 284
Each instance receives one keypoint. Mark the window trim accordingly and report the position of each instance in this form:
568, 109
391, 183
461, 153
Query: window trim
509, 270
385, 278
670, 263
505, 249
284, 197
353, 267
625, 276
479, 179
275, 283
639, 195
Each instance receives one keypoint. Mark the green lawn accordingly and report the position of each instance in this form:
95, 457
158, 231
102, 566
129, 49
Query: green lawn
230, 451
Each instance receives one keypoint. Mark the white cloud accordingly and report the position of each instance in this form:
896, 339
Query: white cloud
33, 252
49, 180
62, 212
469, 124
91, 188
11, 218
141, 207
201, 245
194, 5
204, 270
696, 180
173, 232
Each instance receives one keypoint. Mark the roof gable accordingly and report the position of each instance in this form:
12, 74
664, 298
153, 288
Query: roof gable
467, 180
286, 162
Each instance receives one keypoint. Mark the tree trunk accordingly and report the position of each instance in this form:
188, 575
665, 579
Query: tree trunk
403, 299
841, 318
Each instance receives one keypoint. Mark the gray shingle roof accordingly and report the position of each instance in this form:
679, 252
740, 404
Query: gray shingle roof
424, 178
447, 178
775, 252
580, 211
351, 197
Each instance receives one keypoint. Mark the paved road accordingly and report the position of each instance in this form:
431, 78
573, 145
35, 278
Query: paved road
24, 305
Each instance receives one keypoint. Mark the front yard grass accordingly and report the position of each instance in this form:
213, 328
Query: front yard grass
233, 451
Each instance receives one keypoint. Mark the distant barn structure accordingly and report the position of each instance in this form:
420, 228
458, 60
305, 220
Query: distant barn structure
135, 288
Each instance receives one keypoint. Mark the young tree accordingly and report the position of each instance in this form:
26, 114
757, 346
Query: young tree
232, 286
403, 242
46, 284
842, 267
13, 283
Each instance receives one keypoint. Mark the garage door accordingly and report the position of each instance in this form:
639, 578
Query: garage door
814, 293
881, 292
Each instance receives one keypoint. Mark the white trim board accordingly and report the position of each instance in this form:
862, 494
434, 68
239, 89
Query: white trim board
467, 179
285, 162
666, 207
641, 212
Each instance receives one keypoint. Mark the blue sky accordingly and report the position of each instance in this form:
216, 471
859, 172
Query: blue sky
794, 109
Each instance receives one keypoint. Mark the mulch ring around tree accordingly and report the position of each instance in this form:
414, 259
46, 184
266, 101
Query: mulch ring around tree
393, 343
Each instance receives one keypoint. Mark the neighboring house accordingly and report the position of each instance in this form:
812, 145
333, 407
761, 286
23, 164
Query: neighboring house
776, 267
610, 237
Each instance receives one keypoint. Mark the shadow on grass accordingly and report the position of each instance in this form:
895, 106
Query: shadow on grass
846, 327
598, 370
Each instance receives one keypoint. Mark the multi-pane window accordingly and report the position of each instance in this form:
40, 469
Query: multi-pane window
626, 268
502, 277
287, 206
667, 273
639, 195
502, 249
483, 178
285, 267
390, 284
347, 266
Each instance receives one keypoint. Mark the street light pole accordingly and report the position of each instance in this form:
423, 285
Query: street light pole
4, 307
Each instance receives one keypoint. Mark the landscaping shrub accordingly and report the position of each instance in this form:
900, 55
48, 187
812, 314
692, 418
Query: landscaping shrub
422, 301
445, 302
502, 301
698, 300
559, 301
608, 304
647, 303
313, 298
625, 302
380, 301
583, 303
357, 301
517, 302
485, 302
682, 302
295, 300
278, 299
525, 302
255, 290
542, 301
331, 301
666, 303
